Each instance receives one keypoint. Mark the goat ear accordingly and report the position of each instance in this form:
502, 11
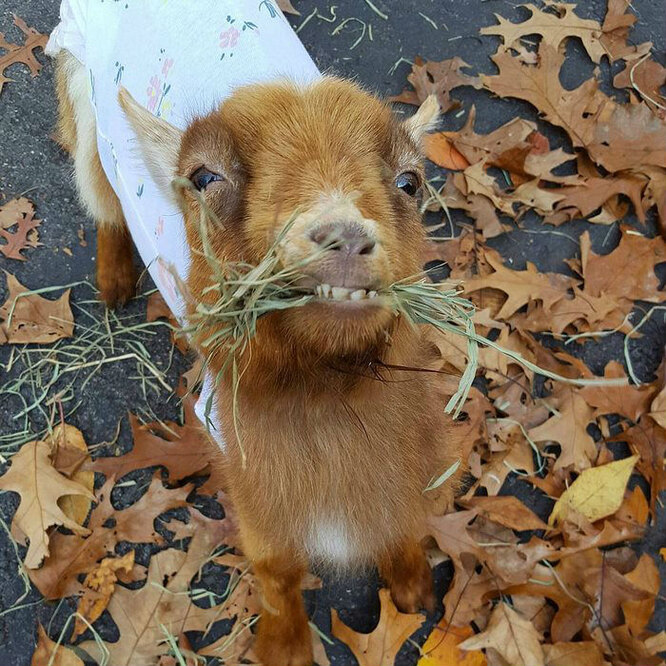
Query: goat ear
159, 141
424, 120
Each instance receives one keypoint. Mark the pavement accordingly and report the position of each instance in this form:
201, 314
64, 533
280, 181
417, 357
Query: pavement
32, 164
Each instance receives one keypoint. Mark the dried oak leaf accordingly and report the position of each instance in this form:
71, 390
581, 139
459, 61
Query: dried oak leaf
521, 287
99, 585
58, 577
40, 487
69, 452
506, 510
442, 647
512, 636
626, 273
184, 450
598, 492
569, 429
21, 52
163, 602
436, 78
30, 318
49, 653
616, 136
19, 213
645, 78
648, 441
381, 645
582, 653
558, 21
631, 401
440, 150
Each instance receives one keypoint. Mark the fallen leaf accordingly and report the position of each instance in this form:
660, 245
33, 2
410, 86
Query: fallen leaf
99, 585
583, 653
442, 647
521, 287
508, 511
380, 646
66, 439
162, 605
436, 78
512, 636
22, 53
568, 427
49, 653
441, 151
40, 486
596, 493
27, 317
19, 213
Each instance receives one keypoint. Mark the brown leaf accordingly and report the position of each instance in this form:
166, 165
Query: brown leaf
163, 601
569, 429
442, 647
183, 450
440, 150
49, 653
380, 646
67, 443
510, 635
521, 287
436, 78
555, 23
628, 271
508, 511
40, 486
31, 318
583, 653
631, 401
19, 213
22, 53
78, 555
99, 585
616, 136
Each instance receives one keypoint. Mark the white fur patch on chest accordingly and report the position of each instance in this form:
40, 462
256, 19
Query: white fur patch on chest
329, 541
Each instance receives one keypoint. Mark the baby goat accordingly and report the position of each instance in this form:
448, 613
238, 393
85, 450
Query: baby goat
340, 431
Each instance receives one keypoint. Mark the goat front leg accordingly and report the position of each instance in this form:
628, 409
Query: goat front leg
407, 573
283, 633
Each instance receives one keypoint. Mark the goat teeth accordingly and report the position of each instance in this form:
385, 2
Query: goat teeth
325, 290
318, 290
340, 293
357, 295
372, 294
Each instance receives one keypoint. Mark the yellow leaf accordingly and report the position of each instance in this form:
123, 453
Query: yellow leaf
441, 648
596, 493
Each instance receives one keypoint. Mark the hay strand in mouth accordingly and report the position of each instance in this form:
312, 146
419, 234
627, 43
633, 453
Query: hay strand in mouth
240, 293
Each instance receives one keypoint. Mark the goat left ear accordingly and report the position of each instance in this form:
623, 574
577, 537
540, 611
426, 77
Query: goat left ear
158, 140
424, 120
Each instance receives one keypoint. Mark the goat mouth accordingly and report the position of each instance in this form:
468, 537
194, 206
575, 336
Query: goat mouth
329, 294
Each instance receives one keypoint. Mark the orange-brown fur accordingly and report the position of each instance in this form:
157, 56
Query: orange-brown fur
331, 435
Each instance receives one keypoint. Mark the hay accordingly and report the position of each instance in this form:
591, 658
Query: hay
243, 293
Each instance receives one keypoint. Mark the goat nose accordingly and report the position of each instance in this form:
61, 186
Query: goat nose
349, 238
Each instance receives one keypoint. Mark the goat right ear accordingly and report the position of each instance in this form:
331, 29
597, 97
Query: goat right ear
158, 140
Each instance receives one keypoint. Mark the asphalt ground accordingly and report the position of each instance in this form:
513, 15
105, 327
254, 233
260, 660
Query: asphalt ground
32, 164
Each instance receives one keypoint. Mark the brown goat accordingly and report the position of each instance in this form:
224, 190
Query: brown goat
339, 446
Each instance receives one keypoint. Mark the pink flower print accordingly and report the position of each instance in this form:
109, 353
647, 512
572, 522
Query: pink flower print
159, 227
153, 92
229, 38
166, 66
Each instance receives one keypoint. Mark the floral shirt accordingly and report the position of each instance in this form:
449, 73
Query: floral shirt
180, 59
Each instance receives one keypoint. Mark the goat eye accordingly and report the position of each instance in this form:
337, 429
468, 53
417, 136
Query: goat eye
408, 182
202, 178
